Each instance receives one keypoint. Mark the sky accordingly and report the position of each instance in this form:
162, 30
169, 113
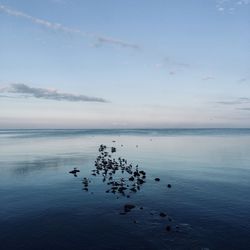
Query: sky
124, 64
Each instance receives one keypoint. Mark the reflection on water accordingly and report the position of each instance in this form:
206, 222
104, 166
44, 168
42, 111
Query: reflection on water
44, 207
27, 167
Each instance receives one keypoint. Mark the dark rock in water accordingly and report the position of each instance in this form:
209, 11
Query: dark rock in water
102, 148
113, 149
121, 189
168, 228
133, 189
74, 171
141, 208
163, 214
169, 185
86, 189
128, 207
131, 178
85, 182
142, 172
135, 221
157, 179
136, 174
140, 181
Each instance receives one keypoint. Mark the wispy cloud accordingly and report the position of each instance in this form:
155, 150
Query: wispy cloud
207, 78
244, 109
172, 65
229, 6
58, 1
242, 80
50, 94
103, 40
238, 101
59, 27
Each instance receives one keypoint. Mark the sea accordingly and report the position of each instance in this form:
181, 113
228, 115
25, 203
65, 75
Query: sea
201, 201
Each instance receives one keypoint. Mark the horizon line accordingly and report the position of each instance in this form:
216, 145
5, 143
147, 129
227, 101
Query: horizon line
172, 128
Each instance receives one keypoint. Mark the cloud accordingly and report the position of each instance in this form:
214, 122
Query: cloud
242, 2
59, 27
242, 80
245, 109
117, 42
170, 62
58, 1
5, 96
238, 101
207, 78
172, 65
229, 6
228, 102
50, 94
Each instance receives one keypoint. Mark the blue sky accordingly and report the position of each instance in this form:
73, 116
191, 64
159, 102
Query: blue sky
124, 64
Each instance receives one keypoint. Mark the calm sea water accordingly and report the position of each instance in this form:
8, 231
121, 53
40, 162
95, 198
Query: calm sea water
42, 206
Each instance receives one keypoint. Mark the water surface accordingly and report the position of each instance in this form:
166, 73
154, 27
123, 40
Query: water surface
42, 206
